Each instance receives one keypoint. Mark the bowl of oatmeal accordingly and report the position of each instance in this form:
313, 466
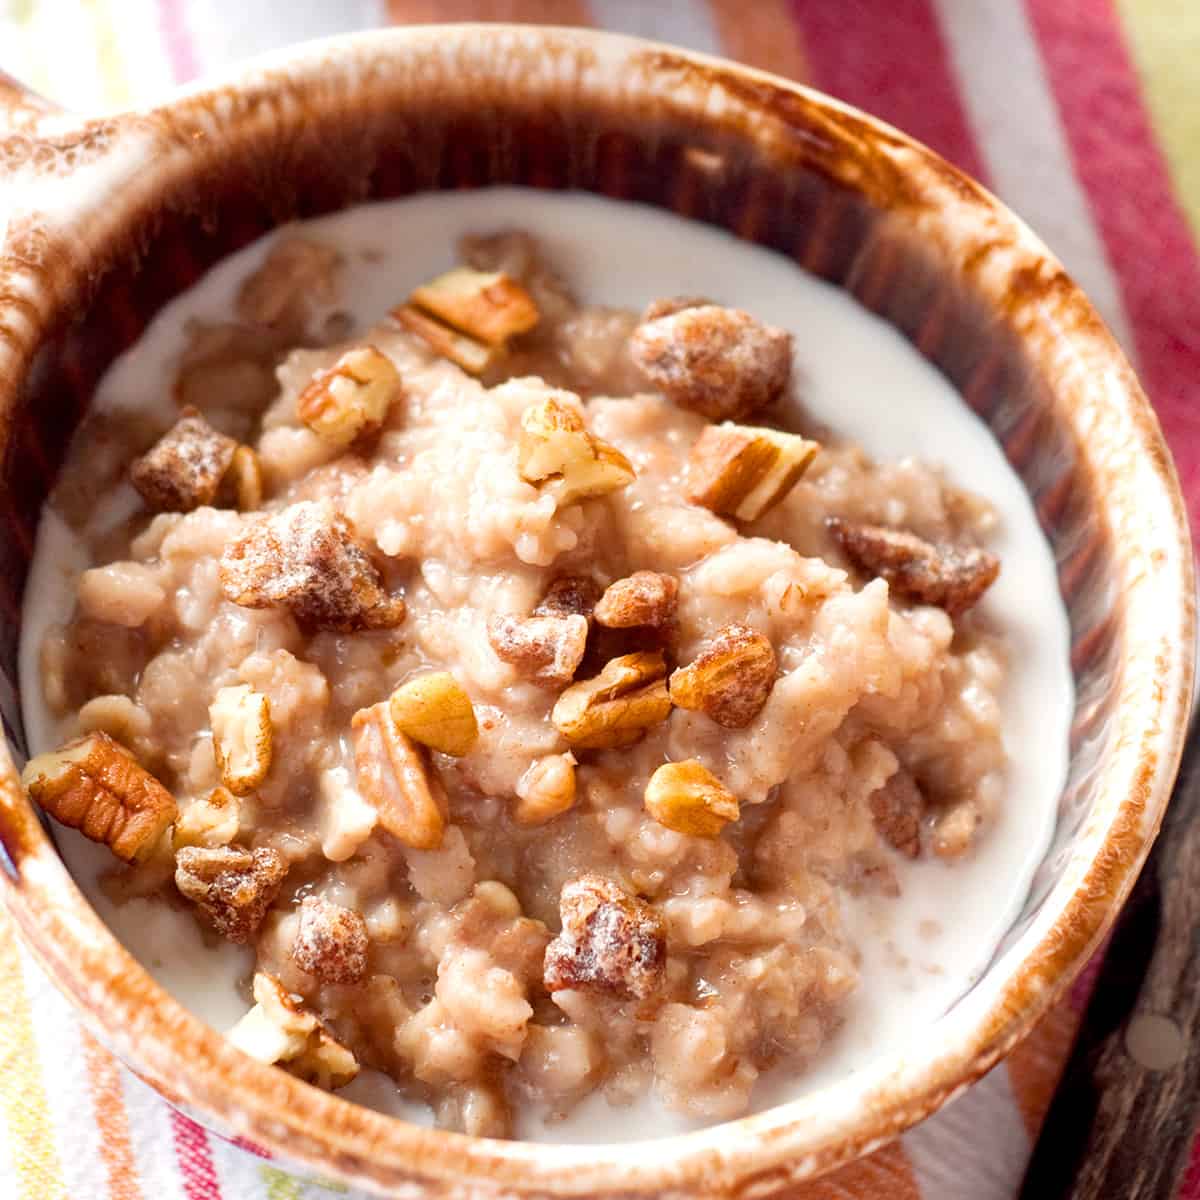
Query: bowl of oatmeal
628, 611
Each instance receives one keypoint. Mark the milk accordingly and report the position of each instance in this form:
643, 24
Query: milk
920, 951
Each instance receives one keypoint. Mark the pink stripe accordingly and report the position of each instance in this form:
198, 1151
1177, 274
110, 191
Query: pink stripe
1144, 230
891, 60
194, 1155
177, 41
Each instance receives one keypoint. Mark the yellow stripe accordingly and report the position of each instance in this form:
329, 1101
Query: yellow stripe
1164, 40
113, 79
23, 1105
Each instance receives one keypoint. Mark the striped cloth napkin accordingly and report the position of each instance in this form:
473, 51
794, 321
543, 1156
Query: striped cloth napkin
1079, 113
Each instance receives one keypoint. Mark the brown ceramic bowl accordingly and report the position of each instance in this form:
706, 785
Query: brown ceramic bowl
101, 222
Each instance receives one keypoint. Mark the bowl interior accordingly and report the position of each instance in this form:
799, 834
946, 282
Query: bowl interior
844, 198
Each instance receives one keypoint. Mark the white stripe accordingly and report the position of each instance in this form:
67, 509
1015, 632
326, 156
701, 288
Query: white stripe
138, 35
224, 32
684, 22
975, 1148
1016, 123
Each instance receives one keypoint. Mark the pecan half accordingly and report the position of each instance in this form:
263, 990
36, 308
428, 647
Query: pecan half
730, 679
214, 821
434, 710
610, 942
297, 275
688, 798
331, 941
242, 735
896, 810
243, 483
308, 559
231, 886
474, 357
95, 785
744, 470
184, 468
396, 780
489, 306
616, 707
717, 361
643, 598
944, 576
555, 449
547, 650
348, 402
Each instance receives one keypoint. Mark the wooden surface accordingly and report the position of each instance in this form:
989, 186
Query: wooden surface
1123, 1119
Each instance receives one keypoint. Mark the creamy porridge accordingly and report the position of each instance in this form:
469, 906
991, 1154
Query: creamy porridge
513, 685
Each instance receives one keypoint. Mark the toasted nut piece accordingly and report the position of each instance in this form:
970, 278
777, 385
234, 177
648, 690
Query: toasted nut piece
688, 798
232, 887
556, 448
395, 779
474, 357
245, 479
643, 598
672, 304
718, 361
610, 941
331, 942
945, 576
490, 307
744, 470
569, 595
278, 1029
955, 828
896, 810
211, 822
241, 733
546, 789
307, 558
617, 706
349, 401
296, 273
183, 469
95, 785
730, 679
547, 650
434, 710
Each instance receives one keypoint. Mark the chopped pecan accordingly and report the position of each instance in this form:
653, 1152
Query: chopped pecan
718, 361
279, 1029
643, 598
307, 558
244, 480
555, 449
214, 821
231, 886
474, 357
730, 679
547, 650
744, 470
955, 828
184, 468
241, 735
568, 596
95, 785
688, 798
617, 706
610, 941
489, 306
296, 275
331, 942
669, 305
945, 576
396, 780
348, 402
896, 810
546, 789
433, 709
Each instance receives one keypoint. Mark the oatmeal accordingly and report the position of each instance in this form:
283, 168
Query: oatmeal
526, 689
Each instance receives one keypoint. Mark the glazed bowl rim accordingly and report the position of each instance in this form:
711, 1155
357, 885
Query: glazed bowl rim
194, 1065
